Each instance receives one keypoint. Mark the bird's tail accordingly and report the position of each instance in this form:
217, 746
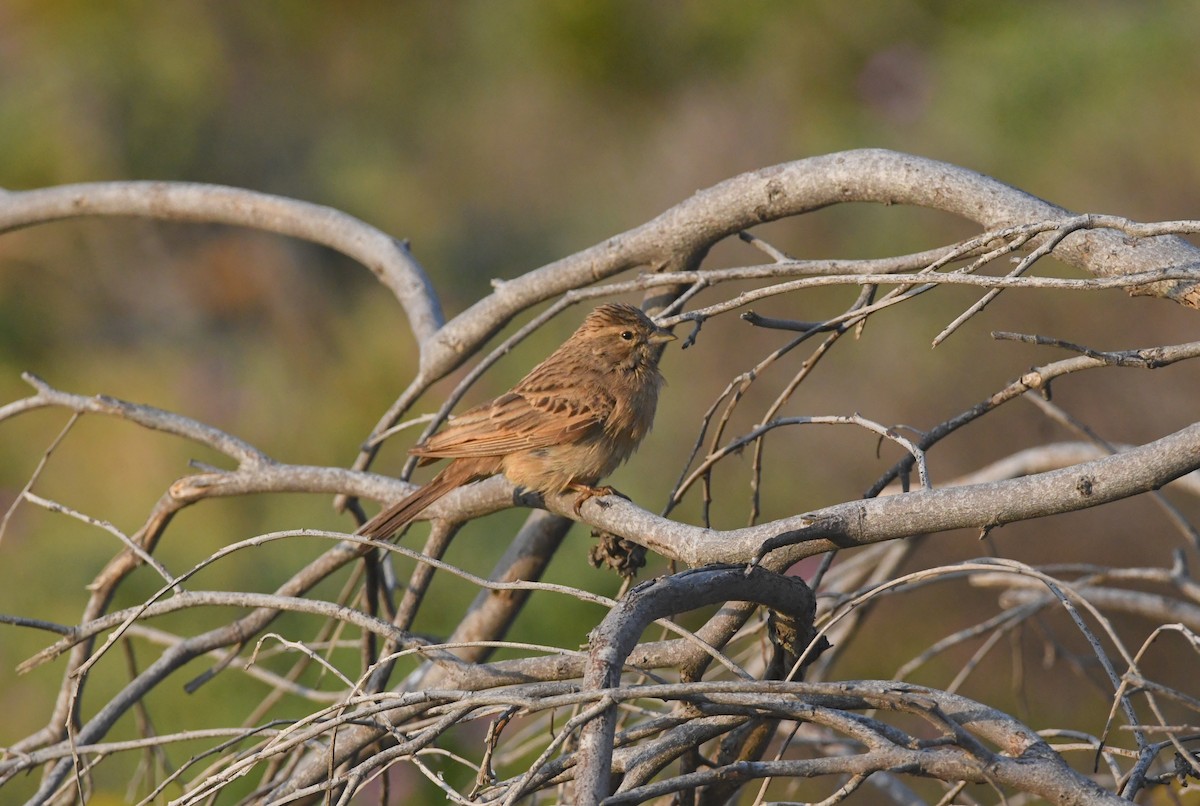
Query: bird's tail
405, 511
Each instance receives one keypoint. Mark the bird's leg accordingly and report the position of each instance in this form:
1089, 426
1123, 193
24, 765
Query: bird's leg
587, 491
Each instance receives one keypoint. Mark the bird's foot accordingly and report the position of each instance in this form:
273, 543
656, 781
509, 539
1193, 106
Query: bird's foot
587, 491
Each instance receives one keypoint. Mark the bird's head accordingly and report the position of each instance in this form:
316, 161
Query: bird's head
624, 334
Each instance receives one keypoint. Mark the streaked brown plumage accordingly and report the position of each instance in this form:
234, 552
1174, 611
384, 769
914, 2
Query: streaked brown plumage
564, 426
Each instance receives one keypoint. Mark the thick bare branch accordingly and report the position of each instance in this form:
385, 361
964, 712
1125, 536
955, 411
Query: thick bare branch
858, 523
681, 236
387, 257
612, 641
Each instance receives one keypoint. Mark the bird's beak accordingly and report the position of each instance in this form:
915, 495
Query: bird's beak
661, 336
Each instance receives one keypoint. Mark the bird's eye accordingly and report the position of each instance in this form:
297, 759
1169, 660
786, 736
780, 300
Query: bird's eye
627, 335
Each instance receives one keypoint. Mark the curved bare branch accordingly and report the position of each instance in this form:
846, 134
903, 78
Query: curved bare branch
641, 703
387, 257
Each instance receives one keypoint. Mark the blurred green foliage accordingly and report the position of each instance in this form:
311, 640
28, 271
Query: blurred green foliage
499, 136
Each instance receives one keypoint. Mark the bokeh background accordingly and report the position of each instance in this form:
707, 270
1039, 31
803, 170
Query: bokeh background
498, 137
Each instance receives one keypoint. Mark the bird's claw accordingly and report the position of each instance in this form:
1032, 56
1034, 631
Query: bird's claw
586, 493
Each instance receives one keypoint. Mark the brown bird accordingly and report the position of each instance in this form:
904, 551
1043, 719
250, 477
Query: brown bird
564, 426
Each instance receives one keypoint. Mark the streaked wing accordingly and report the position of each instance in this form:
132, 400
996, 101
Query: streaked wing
517, 421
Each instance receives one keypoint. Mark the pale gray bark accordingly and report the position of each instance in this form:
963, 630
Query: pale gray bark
377, 721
